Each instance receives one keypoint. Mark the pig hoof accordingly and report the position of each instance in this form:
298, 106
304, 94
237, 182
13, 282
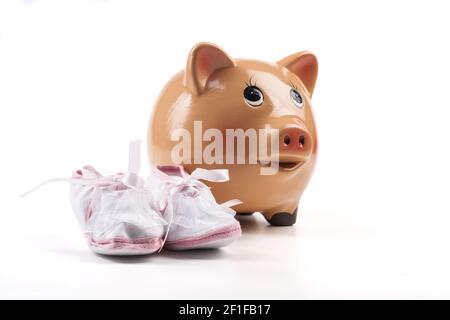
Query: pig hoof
245, 213
283, 219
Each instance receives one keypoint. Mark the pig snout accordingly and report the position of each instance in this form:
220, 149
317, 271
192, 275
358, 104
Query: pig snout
295, 140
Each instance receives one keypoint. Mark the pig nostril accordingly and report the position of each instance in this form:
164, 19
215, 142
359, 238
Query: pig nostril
301, 140
287, 140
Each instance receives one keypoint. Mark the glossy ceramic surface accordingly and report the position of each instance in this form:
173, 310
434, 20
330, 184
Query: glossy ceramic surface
212, 89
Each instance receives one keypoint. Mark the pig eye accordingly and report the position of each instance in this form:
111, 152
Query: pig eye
253, 96
297, 98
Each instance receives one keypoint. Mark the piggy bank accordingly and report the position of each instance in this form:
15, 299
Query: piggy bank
250, 117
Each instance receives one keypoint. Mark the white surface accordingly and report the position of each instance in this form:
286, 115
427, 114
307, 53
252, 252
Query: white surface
77, 82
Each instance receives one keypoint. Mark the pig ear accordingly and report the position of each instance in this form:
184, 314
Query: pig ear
304, 65
204, 59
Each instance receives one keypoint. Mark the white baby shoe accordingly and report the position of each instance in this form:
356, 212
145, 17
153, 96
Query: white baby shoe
194, 218
122, 214
116, 217
116, 212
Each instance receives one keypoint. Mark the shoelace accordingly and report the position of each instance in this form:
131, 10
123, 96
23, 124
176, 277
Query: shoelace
91, 177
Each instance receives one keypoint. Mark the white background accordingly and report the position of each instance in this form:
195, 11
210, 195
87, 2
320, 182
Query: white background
78, 80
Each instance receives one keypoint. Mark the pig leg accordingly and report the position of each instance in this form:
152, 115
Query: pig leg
245, 213
281, 218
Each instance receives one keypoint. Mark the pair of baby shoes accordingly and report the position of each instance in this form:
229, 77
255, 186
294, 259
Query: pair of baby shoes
124, 214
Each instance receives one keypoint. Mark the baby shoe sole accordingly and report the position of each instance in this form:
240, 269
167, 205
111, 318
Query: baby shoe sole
124, 246
214, 239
